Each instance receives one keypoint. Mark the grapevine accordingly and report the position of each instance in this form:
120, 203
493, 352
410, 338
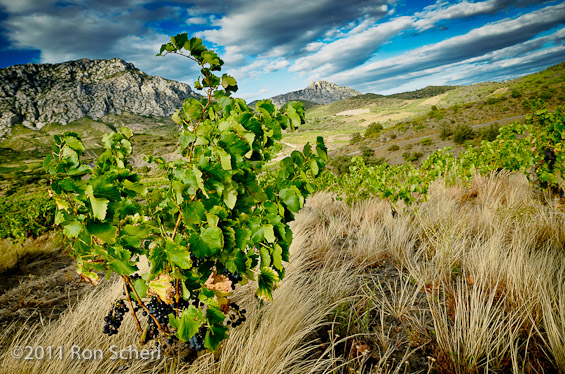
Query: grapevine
534, 148
211, 226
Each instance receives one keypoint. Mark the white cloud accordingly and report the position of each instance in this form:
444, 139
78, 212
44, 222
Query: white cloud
446, 11
258, 67
350, 50
23, 6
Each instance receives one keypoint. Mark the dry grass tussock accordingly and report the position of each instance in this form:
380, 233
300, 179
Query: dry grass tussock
471, 281
13, 252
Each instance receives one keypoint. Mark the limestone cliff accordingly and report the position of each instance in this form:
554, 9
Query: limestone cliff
37, 94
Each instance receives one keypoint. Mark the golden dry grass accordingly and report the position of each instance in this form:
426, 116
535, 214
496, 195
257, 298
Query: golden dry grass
471, 281
12, 252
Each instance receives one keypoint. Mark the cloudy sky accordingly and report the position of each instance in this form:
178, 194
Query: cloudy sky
276, 46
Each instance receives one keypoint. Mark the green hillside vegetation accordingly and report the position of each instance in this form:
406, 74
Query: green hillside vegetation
423, 93
457, 118
23, 150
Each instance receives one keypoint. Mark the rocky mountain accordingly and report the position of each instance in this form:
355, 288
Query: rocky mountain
317, 92
37, 94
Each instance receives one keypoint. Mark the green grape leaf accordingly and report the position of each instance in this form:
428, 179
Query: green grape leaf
277, 257
314, 166
242, 235
193, 212
225, 159
269, 233
267, 281
74, 143
138, 188
99, 205
126, 132
230, 197
176, 117
73, 229
214, 315
188, 324
178, 255
186, 139
141, 231
208, 243
290, 199
199, 180
140, 287
214, 336
122, 266
103, 231
265, 257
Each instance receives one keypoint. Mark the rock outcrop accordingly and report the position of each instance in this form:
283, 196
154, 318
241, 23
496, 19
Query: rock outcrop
37, 94
317, 92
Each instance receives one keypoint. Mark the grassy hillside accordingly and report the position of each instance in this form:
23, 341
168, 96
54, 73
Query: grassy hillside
412, 128
470, 281
22, 152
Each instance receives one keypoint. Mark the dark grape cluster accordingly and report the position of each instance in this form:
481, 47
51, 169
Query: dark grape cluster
237, 317
114, 318
157, 312
235, 278
196, 343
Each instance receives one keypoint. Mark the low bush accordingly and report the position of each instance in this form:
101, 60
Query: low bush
426, 142
374, 129
462, 133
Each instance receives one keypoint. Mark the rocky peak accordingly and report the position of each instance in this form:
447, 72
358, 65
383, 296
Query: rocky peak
36, 94
320, 92
320, 85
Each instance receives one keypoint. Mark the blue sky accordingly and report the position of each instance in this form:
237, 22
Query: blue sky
276, 46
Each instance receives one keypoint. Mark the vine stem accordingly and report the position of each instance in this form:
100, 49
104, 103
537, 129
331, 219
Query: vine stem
177, 296
143, 305
177, 225
124, 278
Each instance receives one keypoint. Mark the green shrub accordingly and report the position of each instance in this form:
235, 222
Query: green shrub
445, 130
435, 113
462, 133
409, 157
489, 132
426, 142
340, 164
393, 148
374, 129
366, 152
355, 138
515, 94
546, 95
